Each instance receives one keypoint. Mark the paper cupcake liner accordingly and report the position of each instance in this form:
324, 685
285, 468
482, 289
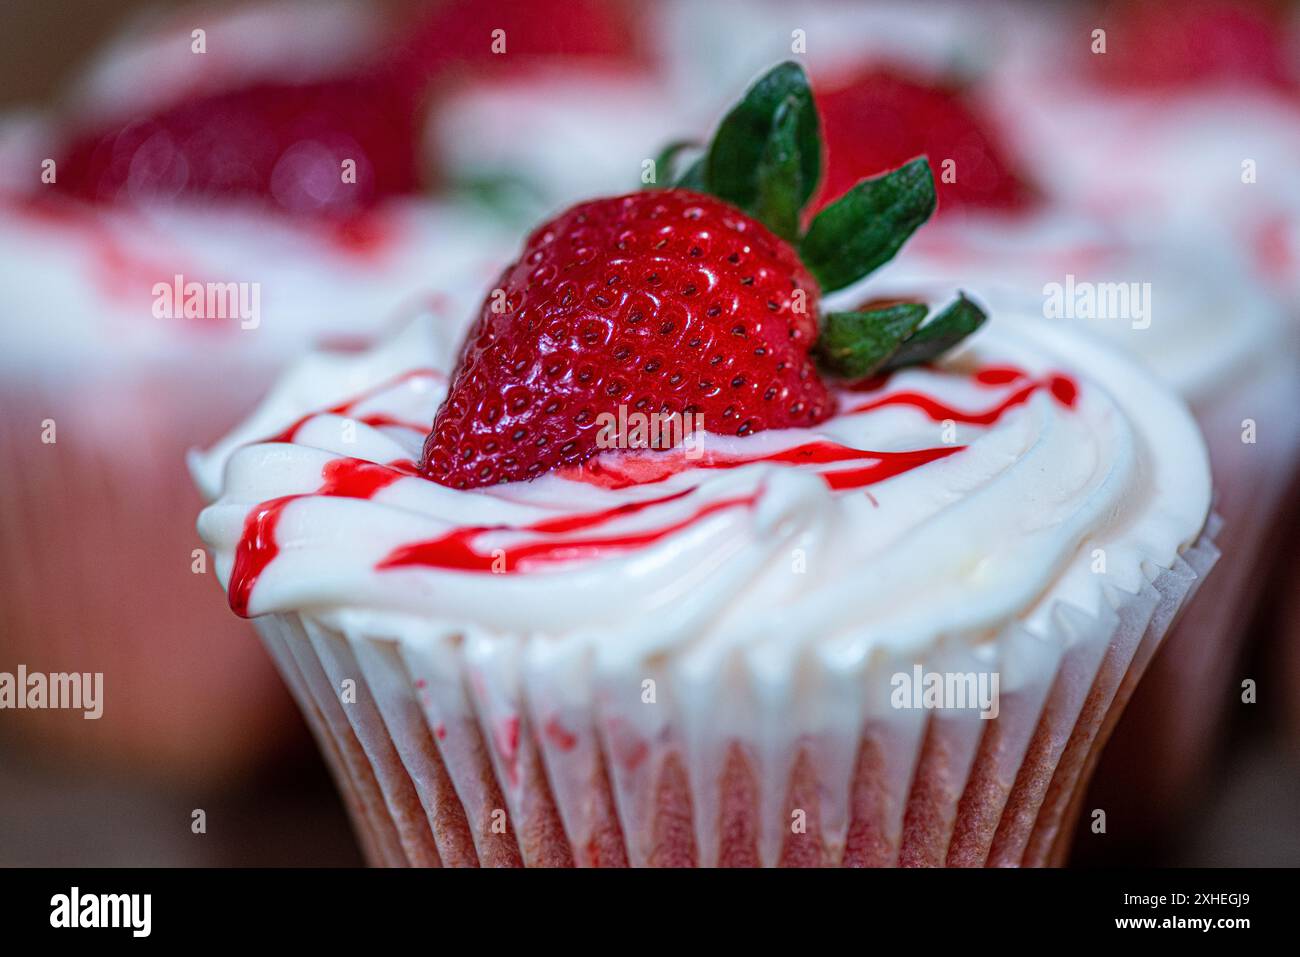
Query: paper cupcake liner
455, 752
96, 540
1163, 748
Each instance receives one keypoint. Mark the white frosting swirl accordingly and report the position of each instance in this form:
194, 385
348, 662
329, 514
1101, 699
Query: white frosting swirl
765, 555
1188, 307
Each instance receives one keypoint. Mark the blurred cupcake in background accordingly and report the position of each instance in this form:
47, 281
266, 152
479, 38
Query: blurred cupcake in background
1177, 125
707, 48
547, 134
532, 138
223, 189
1064, 176
530, 142
563, 95
1187, 113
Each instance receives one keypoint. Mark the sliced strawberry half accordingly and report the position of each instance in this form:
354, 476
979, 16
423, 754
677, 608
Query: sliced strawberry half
697, 299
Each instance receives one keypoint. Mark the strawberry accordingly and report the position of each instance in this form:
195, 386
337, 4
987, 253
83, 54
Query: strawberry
280, 142
665, 301
883, 116
458, 35
700, 298
284, 142
1159, 45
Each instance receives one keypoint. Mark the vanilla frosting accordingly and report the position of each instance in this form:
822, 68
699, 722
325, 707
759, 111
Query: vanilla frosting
152, 63
1026, 475
1207, 161
1191, 311
91, 273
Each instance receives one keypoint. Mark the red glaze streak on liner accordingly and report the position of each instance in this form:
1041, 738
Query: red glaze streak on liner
559, 735
507, 742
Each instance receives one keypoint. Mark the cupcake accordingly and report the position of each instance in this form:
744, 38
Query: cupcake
528, 134
667, 565
116, 370
1190, 110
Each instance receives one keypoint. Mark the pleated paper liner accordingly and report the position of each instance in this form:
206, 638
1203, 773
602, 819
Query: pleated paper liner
453, 752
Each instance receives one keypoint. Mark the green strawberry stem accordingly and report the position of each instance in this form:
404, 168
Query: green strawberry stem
765, 159
780, 173
858, 345
855, 345
949, 327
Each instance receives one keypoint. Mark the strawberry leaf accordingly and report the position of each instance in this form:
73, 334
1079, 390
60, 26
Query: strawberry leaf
736, 155
940, 334
864, 228
854, 345
779, 177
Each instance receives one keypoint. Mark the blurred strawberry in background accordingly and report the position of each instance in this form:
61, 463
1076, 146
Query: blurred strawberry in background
1156, 44
280, 143
283, 141
458, 35
883, 116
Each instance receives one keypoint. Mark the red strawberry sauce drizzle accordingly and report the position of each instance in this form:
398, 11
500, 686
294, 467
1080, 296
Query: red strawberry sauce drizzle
455, 551
375, 420
122, 273
645, 470
343, 478
356, 478
1062, 388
